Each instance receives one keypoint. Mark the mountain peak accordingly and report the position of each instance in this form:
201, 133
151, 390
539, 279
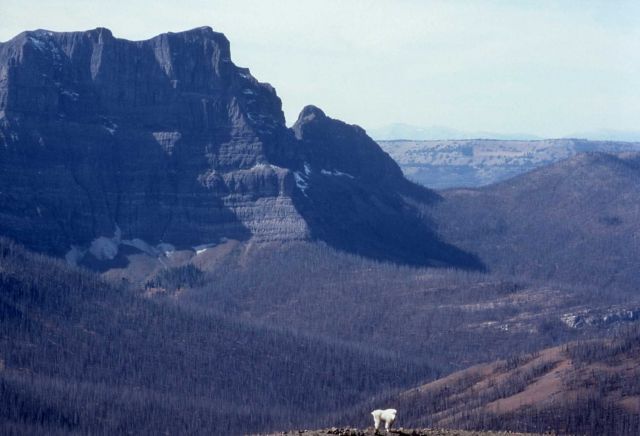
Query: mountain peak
202, 32
201, 29
167, 141
310, 113
103, 31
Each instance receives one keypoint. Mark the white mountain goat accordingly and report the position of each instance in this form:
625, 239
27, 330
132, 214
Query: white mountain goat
388, 416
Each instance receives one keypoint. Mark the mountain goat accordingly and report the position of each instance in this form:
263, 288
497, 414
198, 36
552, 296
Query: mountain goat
388, 416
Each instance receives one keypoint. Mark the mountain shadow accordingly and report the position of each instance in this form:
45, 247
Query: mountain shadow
354, 197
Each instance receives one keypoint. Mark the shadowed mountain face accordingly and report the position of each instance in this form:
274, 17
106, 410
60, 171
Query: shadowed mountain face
576, 221
355, 198
146, 136
165, 143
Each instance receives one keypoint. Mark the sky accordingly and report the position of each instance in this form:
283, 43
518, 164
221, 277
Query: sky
546, 68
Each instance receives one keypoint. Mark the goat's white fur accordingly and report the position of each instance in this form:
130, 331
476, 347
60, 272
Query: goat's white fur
387, 415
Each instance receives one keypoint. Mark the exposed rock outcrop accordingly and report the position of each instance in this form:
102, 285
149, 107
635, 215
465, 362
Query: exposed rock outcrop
105, 141
602, 318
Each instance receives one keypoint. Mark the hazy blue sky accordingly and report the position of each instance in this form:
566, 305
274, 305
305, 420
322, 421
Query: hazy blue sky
549, 68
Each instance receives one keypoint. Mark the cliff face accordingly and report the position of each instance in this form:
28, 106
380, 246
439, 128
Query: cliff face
356, 198
166, 143
165, 139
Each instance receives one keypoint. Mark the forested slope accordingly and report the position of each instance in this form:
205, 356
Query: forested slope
79, 355
587, 387
575, 222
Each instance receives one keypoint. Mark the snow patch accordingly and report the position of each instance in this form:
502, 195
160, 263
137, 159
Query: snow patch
40, 45
71, 94
167, 140
43, 43
142, 246
199, 249
336, 173
301, 183
111, 128
166, 249
263, 166
107, 248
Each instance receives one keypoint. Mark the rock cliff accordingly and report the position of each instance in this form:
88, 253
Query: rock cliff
165, 143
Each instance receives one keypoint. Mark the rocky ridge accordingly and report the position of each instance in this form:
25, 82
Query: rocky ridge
110, 146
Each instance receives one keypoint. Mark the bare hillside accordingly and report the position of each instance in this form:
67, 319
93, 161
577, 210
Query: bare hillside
581, 388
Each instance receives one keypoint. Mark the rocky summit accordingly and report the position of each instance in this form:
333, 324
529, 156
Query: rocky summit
109, 145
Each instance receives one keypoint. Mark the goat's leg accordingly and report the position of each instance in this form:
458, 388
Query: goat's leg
388, 424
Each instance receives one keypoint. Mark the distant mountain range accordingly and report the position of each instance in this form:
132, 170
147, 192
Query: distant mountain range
478, 162
410, 132
608, 135
397, 131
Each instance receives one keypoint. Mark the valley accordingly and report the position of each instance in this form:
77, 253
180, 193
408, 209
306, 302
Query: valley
175, 259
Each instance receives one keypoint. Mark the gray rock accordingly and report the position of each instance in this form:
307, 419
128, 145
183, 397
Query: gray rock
104, 140
165, 139
600, 318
